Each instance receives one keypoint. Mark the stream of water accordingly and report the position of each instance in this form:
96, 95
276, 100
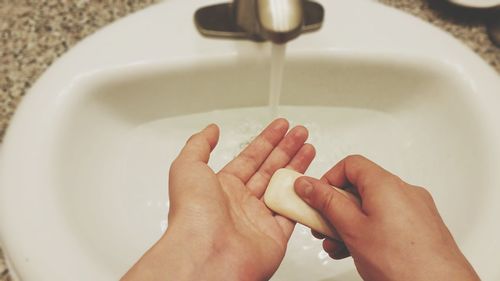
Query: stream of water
276, 78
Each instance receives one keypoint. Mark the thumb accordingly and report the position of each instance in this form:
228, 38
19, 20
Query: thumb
185, 170
340, 209
199, 145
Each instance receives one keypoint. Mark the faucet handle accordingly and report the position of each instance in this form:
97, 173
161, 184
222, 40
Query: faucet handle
275, 20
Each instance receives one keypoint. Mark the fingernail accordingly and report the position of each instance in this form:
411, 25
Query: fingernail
341, 253
304, 187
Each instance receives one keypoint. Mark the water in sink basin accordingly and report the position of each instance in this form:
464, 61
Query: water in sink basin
130, 181
115, 137
336, 132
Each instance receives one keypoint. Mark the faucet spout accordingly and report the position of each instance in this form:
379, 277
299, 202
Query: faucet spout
278, 21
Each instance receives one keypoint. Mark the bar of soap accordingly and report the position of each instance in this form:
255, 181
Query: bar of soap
280, 197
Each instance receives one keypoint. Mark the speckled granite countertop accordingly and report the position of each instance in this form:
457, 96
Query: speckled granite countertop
33, 33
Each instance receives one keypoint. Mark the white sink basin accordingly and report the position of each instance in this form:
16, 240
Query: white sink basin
84, 166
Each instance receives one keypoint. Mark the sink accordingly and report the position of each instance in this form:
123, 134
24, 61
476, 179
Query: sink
85, 160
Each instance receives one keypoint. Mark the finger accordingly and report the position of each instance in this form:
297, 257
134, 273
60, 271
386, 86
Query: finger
335, 207
317, 234
301, 161
252, 157
335, 249
360, 173
278, 158
331, 246
199, 146
196, 152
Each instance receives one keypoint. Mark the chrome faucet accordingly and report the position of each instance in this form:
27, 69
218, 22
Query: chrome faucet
278, 21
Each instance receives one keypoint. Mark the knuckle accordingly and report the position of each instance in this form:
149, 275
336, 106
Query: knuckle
249, 161
193, 138
327, 202
397, 181
354, 158
190, 139
424, 193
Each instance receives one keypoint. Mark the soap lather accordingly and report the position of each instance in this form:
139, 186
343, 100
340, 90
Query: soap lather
280, 197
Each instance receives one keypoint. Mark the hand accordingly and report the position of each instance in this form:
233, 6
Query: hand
397, 234
219, 228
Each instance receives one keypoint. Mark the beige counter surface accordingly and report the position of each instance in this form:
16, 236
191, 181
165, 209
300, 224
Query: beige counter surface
35, 33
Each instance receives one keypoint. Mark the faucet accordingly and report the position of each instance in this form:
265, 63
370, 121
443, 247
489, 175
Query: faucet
278, 21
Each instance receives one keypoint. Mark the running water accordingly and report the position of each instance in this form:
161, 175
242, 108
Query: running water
276, 78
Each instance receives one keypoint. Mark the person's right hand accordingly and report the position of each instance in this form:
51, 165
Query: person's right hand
396, 234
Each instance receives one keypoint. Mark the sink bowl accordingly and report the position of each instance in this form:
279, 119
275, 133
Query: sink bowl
85, 160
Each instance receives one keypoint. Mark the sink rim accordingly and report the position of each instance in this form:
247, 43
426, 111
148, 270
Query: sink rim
29, 125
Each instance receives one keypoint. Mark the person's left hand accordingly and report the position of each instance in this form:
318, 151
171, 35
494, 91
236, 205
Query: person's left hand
219, 227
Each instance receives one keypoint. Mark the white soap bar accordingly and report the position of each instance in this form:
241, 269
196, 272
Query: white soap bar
280, 197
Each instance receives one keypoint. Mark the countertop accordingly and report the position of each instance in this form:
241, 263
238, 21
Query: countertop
33, 33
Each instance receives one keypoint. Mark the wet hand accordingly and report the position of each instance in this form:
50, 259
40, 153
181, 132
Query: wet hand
219, 227
396, 234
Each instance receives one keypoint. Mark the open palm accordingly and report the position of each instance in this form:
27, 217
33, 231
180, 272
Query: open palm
225, 209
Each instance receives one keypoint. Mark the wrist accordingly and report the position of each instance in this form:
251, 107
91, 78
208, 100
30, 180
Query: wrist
190, 255
447, 267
